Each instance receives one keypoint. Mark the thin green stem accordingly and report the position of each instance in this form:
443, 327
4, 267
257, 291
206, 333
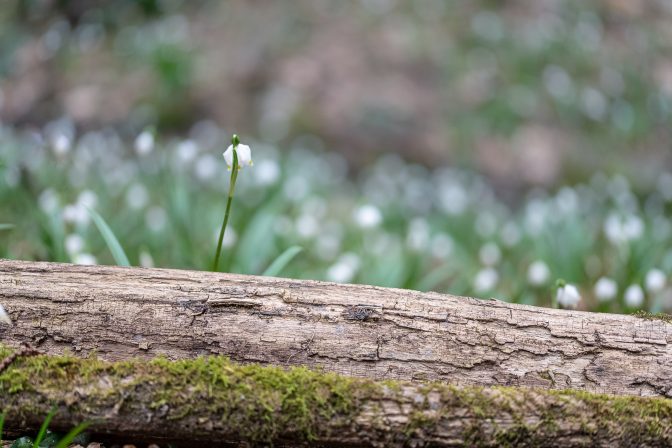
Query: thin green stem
232, 186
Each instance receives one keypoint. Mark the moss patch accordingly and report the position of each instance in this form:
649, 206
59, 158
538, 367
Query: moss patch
264, 404
651, 316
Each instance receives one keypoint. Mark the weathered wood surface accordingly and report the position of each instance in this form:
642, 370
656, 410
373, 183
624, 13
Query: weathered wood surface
210, 402
361, 331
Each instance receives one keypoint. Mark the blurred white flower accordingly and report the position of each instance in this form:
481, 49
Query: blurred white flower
156, 218
634, 296
186, 151
146, 259
486, 280
84, 258
244, 156
368, 216
307, 226
267, 172
74, 244
538, 273
76, 214
418, 234
206, 167
568, 296
344, 269
144, 143
4, 317
61, 144
623, 229
655, 280
490, 254
510, 234
605, 289
137, 196
48, 201
442, 246
87, 198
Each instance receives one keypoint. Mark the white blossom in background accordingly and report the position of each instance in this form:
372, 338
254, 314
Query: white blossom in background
490, 254
307, 226
368, 216
4, 317
87, 198
156, 218
418, 234
137, 196
146, 259
634, 296
486, 280
510, 234
76, 214
267, 172
538, 273
144, 143
605, 289
244, 156
655, 280
206, 167
345, 268
623, 229
568, 296
61, 144
84, 258
74, 244
48, 201
442, 246
187, 151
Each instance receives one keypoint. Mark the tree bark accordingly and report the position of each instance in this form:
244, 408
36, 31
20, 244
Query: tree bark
212, 401
360, 331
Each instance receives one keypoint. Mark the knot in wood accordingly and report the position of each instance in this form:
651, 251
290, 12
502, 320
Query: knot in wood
361, 313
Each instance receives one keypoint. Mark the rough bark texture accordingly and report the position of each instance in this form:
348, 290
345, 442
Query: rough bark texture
360, 331
211, 401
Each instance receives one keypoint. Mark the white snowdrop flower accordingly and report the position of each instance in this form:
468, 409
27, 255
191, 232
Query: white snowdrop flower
146, 259
267, 172
344, 269
84, 258
74, 244
137, 196
442, 246
186, 151
538, 273
144, 143
76, 214
87, 198
156, 218
510, 234
230, 237
307, 226
655, 280
327, 245
568, 296
61, 144
206, 167
368, 216
486, 280
48, 201
418, 234
605, 289
634, 296
633, 227
4, 317
244, 156
490, 254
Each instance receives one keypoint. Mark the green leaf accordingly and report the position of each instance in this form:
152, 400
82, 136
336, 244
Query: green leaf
112, 242
43, 429
6, 226
69, 437
2, 423
282, 261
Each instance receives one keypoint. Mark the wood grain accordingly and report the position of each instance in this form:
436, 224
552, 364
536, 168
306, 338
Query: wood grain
361, 331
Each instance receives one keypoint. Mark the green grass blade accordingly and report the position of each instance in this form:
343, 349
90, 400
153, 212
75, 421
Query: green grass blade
282, 261
112, 242
2, 423
6, 226
69, 437
43, 429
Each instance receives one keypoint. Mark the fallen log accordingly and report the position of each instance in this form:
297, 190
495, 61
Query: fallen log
212, 401
362, 331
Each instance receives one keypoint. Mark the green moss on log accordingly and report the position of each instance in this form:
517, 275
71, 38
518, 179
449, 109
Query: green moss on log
667, 318
214, 397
